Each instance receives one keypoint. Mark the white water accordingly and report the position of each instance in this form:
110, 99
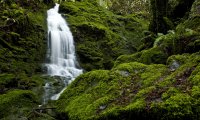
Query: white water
61, 50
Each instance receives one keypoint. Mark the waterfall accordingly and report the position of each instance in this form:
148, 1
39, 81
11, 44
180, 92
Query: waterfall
61, 50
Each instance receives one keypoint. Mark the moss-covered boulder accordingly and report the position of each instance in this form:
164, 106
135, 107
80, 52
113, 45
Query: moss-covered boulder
100, 35
182, 40
16, 104
21, 104
153, 55
135, 90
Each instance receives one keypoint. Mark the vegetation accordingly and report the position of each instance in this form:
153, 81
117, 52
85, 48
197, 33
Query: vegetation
141, 60
97, 31
135, 90
162, 87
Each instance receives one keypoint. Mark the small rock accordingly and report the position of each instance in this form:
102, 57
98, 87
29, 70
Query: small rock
102, 107
174, 66
124, 73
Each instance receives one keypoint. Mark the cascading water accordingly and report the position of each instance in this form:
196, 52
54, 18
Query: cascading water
61, 51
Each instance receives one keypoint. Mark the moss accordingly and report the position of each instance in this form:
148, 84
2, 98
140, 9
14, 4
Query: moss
95, 27
181, 59
21, 81
17, 103
195, 92
133, 89
22, 36
170, 92
152, 55
131, 67
138, 105
144, 92
194, 78
151, 74
103, 94
7, 81
177, 42
127, 58
191, 23
174, 108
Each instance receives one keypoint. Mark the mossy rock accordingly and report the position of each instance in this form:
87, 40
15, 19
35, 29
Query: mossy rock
17, 103
103, 94
23, 36
131, 90
21, 104
173, 108
175, 42
153, 55
97, 31
34, 83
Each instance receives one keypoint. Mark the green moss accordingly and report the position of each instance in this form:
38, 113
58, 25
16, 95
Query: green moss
22, 37
195, 76
131, 67
7, 81
180, 59
144, 92
95, 27
152, 55
196, 92
127, 58
16, 103
170, 92
21, 81
138, 105
153, 74
174, 106
103, 94
133, 89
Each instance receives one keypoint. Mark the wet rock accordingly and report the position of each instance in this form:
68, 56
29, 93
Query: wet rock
174, 65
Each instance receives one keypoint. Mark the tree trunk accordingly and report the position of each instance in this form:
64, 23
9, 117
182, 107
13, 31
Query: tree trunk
159, 11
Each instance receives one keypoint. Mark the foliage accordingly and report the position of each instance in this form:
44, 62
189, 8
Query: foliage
22, 36
97, 31
155, 76
133, 89
168, 13
152, 55
16, 103
22, 50
129, 6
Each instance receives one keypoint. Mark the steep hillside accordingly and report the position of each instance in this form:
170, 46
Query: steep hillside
160, 82
22, 52
100, 35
